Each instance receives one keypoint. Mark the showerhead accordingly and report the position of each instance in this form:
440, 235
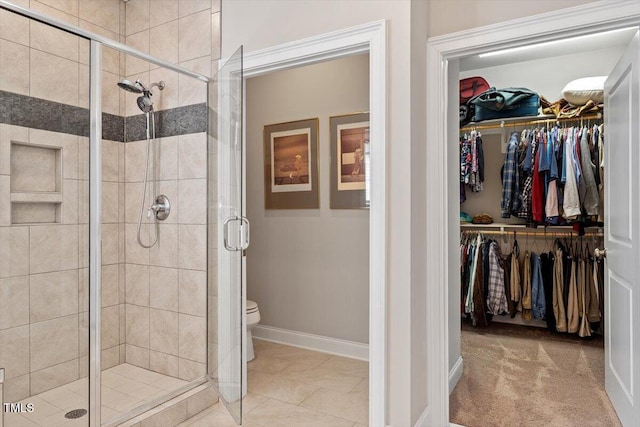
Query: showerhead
127, 85
145, 103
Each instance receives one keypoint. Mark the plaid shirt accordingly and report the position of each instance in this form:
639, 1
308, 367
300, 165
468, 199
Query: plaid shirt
510, 179
497, 298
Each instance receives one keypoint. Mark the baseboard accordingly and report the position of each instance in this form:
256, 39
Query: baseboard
455, 373
335, 346
422, 421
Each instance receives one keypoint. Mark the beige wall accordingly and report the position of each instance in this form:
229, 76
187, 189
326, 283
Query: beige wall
418, 211
308, 269
449, 16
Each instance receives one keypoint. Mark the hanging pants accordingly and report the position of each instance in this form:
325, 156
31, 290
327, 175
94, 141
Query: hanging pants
558, 297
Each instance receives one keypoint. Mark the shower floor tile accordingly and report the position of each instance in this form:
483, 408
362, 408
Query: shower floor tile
124, 387
293, 386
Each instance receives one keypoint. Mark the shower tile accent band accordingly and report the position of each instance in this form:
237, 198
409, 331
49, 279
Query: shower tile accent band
171, 122
36, 113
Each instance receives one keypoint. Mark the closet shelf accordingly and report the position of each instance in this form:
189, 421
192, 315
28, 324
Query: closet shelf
512, 122
500, 228
492, 225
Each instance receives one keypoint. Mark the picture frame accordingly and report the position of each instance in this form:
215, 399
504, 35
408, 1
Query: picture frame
349, 140
291, 165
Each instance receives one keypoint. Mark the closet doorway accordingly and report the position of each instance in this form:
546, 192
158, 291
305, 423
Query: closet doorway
621, 336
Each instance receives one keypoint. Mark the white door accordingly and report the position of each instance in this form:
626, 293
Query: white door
622, 239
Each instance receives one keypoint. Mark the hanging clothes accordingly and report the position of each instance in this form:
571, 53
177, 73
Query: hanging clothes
477, 171
538, 303
552, 213
573, 315
510, 179
497, 299
559, 175
469, 306
562, 287
598, 276
515, 285
507, 285
559, 310
537, 189
546, 265
571, 201
471, 164
482, 276
593, 310
525, 303
525, 165
601, 173
590, 199
478, 292
585, 327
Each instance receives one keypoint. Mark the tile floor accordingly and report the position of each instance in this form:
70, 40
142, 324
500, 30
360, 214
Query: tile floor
124, 387
292, 386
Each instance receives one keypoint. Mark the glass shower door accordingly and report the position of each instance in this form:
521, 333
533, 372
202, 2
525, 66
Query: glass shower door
44, 216
228, 234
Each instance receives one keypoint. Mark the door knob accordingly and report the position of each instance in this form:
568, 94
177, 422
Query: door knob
600, 253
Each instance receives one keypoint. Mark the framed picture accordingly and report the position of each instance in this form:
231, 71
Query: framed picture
291, 165
349, 161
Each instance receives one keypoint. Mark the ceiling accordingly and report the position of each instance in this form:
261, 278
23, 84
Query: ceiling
616, 38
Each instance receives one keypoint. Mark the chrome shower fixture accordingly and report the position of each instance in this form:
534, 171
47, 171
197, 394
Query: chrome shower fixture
144, 102
131, 87
138, 86
161, 208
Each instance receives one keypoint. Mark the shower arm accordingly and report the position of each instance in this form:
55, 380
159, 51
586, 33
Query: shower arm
160, 85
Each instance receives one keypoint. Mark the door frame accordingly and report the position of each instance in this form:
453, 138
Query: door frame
442, 185
371, 38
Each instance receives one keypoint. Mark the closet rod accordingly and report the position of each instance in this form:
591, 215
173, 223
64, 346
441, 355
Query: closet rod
506, 124
528, 233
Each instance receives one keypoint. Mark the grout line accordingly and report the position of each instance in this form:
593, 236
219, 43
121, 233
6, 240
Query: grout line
308, 397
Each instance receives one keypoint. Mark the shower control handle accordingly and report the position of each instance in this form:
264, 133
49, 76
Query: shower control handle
162, 207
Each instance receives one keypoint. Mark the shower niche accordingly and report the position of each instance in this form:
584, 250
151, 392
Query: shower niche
36, 183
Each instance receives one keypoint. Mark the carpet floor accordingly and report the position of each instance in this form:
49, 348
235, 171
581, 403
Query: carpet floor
524, 376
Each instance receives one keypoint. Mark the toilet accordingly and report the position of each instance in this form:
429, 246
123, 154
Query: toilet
253, 318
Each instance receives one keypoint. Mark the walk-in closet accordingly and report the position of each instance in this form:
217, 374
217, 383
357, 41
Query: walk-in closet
531, 293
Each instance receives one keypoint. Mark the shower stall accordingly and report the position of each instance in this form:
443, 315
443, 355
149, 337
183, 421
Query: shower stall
121, 228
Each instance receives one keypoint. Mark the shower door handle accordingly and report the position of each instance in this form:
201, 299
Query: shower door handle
245, 230
225, 232
243, 233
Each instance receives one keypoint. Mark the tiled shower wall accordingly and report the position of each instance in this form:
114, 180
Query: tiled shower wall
144, 291
43, 266
166, 285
